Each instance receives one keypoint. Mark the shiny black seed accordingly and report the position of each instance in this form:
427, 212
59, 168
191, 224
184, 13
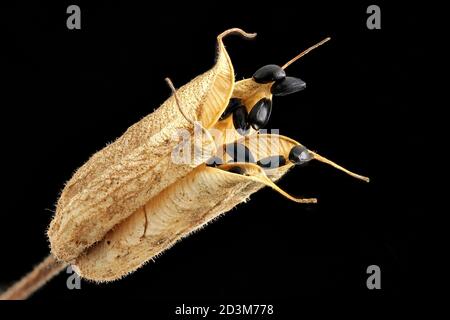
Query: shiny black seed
237, 170
239, 152
232, 105
299, 155
287, 86
269, 73
260, 113
214, 161
240, 116
272, 162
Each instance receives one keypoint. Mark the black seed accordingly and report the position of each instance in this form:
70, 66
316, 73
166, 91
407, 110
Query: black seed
240, 116
272, 162
232, 105
236, 169
214, 161
299, 155
287, 86
260, 113
269, 73
239, 152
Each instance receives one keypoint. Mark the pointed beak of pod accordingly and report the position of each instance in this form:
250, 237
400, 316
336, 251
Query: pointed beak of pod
331, 163
300, 155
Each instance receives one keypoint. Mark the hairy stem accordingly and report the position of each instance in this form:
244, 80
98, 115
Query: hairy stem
34, 280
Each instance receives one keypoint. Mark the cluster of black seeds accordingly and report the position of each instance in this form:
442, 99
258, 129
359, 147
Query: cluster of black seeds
257, 118
259, 115
239, 153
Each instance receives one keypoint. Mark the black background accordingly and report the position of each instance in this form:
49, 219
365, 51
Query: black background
66, 93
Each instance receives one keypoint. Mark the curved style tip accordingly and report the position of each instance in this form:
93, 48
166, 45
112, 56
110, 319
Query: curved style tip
236, 31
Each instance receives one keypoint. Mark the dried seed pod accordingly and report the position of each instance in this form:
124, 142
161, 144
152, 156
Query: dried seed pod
184, 207
123, 176
130, 201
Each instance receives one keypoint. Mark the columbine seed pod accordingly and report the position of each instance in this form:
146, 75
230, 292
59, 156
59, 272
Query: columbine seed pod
127, 173
186, 206
130, 201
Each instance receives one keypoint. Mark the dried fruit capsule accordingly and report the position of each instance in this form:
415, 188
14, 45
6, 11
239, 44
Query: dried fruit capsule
260, 113
131, 201
240, 116
202, 195
299, 155
232, 105
287, 86
115, 181
272, 161
269, 73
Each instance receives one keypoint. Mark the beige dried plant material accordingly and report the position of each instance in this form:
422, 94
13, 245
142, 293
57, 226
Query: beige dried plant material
126, 174
131, 201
